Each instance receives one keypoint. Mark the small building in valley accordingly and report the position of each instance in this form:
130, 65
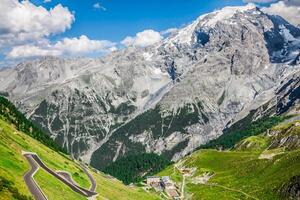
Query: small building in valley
153, 179
155, 182
164, 184
167, 183
173, 193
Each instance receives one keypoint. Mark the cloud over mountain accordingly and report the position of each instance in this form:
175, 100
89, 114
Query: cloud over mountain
68, 46
143, 39
259, 1
290, 10
26, 31
22, 21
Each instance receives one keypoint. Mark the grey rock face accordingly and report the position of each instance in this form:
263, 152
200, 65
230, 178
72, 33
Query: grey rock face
291, 189
228, 62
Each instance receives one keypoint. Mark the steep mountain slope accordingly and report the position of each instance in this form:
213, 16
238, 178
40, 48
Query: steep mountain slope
259, 167
84, 97
11, 115
219, 85
13, 166
230, 64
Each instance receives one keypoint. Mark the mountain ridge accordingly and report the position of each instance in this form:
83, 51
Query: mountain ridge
16, 146
230, 67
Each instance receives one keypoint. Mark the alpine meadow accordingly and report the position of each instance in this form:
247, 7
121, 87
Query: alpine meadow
196, 100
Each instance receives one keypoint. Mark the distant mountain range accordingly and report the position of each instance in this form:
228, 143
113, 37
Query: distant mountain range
233, 64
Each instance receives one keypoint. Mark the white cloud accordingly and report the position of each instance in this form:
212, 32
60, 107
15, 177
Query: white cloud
83, 45
66, 47
22, 21
169, 31
128, 41
143, 39
98, 6
260, 1
26, 31
287, 10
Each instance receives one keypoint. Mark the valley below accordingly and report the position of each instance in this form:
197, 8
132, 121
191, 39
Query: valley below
211, 111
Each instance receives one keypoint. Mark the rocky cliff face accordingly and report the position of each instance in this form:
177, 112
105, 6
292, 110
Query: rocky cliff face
227, 63
79, 102
291, 189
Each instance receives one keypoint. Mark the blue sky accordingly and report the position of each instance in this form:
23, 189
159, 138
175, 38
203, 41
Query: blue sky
69, 28
127, 17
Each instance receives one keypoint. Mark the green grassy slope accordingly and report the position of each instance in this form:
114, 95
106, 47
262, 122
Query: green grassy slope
57, 190
251, 171
13, 166
12, 115
242, 130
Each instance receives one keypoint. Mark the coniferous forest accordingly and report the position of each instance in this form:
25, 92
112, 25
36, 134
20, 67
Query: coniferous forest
10, 114
135, 168
240, 131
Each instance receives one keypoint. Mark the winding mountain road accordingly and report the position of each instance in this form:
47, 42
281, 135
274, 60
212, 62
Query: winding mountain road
64, 177
33, 187
93, 182
67, 176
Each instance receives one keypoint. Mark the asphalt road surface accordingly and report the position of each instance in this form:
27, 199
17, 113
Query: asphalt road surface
31, 184
36, 162
93, 182
67, 176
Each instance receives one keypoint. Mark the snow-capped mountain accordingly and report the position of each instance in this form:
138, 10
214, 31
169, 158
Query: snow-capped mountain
228, 63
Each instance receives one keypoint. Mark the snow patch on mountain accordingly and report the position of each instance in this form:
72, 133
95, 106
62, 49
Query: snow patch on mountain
224, 14
185, 35
227, 63
286, 34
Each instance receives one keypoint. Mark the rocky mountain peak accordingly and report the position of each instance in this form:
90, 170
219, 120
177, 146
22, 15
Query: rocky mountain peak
227, 64
209, 21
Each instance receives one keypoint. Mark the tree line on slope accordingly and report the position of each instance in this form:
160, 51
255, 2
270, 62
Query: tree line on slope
134, 168
11, 115
238, 132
